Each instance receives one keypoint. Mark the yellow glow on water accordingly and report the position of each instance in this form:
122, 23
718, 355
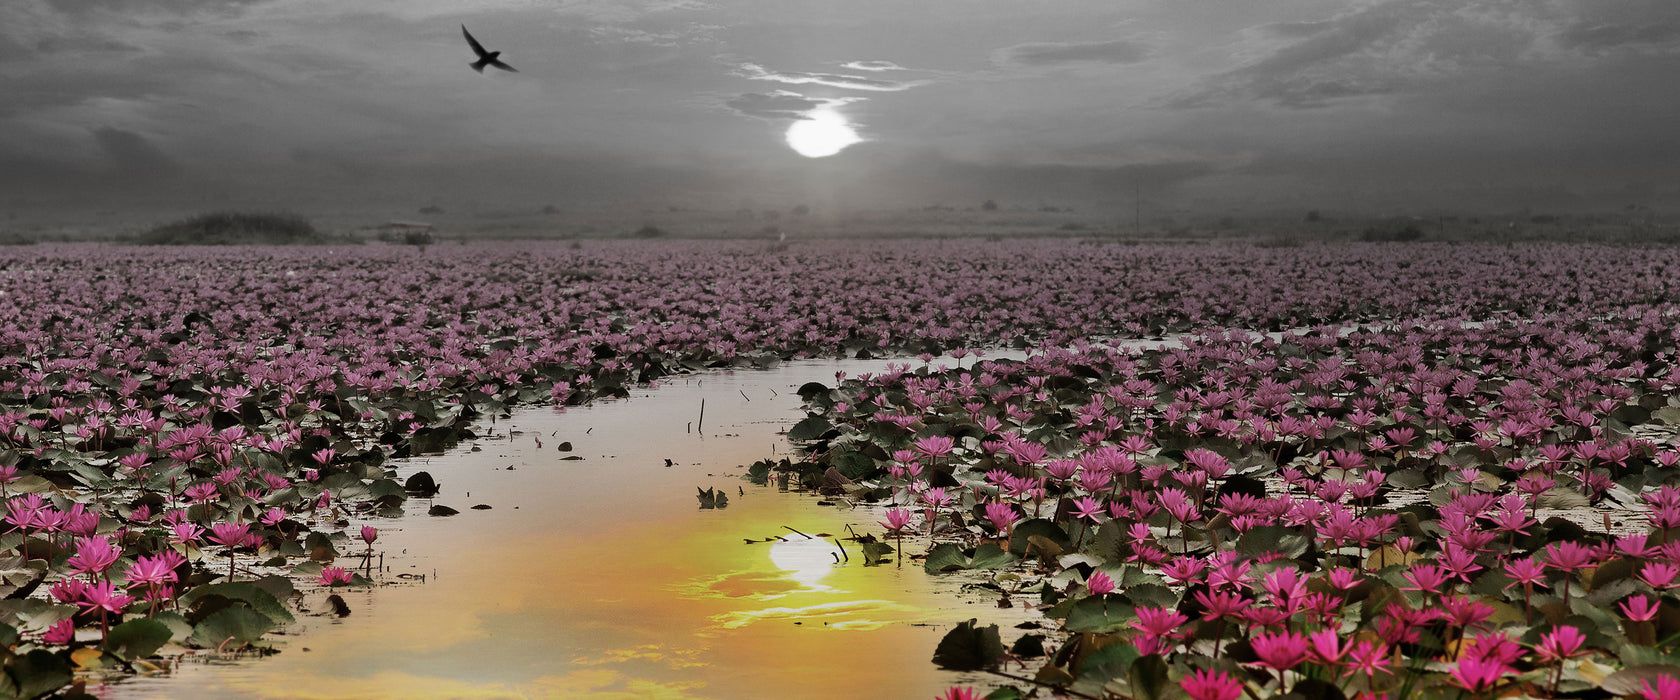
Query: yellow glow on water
573, 595
807, 560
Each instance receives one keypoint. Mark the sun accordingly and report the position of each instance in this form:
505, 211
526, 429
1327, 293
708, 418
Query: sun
822, 133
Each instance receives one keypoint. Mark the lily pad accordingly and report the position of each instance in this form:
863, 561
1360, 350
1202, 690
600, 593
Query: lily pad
969, 648
137, 639
234, 626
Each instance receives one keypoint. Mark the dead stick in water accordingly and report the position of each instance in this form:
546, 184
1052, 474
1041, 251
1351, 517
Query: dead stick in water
744, 395
702, 414
798, 532
1606, 523
843, 551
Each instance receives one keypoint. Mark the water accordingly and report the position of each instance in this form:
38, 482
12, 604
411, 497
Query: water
600, 577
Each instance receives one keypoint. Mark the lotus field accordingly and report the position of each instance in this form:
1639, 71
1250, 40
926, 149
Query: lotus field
1329, 471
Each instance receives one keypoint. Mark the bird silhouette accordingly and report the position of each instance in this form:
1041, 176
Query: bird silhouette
485, 58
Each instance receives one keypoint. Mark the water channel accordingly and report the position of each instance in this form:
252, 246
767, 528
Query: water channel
601, 578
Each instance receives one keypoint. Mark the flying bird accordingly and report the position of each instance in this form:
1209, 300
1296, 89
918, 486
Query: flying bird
485, 58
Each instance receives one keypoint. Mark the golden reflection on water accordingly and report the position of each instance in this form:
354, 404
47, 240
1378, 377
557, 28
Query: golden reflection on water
642, 596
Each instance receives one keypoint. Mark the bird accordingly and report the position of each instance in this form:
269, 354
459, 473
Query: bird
485, 58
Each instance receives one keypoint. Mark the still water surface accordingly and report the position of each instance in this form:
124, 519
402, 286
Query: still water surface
600, 577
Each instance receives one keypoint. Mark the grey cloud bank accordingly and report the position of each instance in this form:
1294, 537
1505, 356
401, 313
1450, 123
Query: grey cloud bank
177, 105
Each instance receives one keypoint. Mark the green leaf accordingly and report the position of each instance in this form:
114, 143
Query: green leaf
990, 556
1040, 527
809, 429
34, 613
235, 625
944, 557
17, 575
1274, 538
1028, 646
1152, 595
1104, 613
137, 639
37, 673
278, 586
854, 465
1107, 664
1667, 414
875, 552
179, 628
968, 648
1148, 676
1627, 682
259, 600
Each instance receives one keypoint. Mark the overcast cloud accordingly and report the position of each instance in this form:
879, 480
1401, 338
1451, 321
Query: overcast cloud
1216, 104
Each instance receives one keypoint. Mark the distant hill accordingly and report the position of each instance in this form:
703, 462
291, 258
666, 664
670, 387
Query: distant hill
237, 228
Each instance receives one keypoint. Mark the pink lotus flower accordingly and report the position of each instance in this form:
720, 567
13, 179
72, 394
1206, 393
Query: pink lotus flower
1204, 684
1639, 608
897, 520
61, 633
1477, 675
94, 555
1561, 643
1098, 583
104, 596
335, 576
1667, 688
230, 534
1280, 651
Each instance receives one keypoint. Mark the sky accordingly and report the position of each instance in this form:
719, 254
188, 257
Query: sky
1212, 105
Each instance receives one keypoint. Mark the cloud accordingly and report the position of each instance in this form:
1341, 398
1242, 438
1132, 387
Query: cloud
1381, 49
1602, 38
132, 153
872, 66
1119, 51
753, 71
776, 105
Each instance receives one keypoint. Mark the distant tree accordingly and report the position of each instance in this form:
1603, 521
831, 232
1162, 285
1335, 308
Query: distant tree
431, 209
1313, 216
800, 210
550, 209
650, 231
236, 228
989, 205
418, 239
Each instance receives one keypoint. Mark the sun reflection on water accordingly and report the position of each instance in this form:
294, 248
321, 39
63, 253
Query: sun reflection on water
806, 560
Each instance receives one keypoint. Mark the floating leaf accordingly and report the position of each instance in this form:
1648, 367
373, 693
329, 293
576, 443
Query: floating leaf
1148, 677
234, 626
1100, 613
946, 556
258, 599
1039, 527
35, 674
811, 428
968, 648
1109, 663
137, 639
1288, 541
